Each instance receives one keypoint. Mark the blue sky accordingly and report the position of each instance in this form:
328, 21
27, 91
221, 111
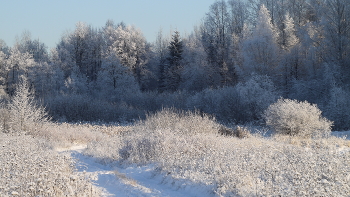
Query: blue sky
49, 19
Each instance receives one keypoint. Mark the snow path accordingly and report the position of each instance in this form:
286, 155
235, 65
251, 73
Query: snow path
133, 180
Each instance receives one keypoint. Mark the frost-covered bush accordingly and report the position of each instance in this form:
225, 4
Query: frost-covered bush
179, 121
149, 138
295, 118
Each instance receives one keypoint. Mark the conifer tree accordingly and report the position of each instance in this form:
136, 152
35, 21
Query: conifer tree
161, 48
173, 71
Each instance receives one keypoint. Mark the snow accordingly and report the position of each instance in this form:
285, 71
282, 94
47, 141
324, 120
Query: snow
133, 180
345, 134
115, 180
72, 148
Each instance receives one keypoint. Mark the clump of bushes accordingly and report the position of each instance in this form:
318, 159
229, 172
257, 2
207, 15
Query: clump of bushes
152, 138
296, 118
179, 121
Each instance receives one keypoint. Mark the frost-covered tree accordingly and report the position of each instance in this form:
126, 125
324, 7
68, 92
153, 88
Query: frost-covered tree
288, 38
18, 64
4, 69
76, 82
256, 94
44, 74
54, 73
81, 48
277, 9
109, 36
260, 51
3, 47
195, 74
37, 49
291, 57
300, 11
132, 49
26, 115
115, 81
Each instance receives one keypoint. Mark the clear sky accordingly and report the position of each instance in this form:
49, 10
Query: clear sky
49, 19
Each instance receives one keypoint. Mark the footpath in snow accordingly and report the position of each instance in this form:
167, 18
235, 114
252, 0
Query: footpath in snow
131, 181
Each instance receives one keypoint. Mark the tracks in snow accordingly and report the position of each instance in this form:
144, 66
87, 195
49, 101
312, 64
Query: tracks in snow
131, 181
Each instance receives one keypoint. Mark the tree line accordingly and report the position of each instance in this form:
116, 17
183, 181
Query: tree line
243, 56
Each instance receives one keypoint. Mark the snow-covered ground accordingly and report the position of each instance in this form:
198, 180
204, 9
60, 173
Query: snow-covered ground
345, 134
132, 180
116, 180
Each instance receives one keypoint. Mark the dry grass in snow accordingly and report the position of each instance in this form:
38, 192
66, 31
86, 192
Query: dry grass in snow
29, 167
187, 146
65, 135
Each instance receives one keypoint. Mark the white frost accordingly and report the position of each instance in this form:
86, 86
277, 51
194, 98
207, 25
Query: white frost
133, 180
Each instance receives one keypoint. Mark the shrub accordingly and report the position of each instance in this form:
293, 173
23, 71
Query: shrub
179, 121
295, 118
151, 138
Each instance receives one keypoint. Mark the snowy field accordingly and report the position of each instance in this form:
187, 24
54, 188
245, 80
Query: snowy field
243, 105
133, 180
171, 155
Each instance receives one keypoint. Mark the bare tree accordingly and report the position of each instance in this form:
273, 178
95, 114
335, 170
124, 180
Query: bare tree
337, 30
216, 38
